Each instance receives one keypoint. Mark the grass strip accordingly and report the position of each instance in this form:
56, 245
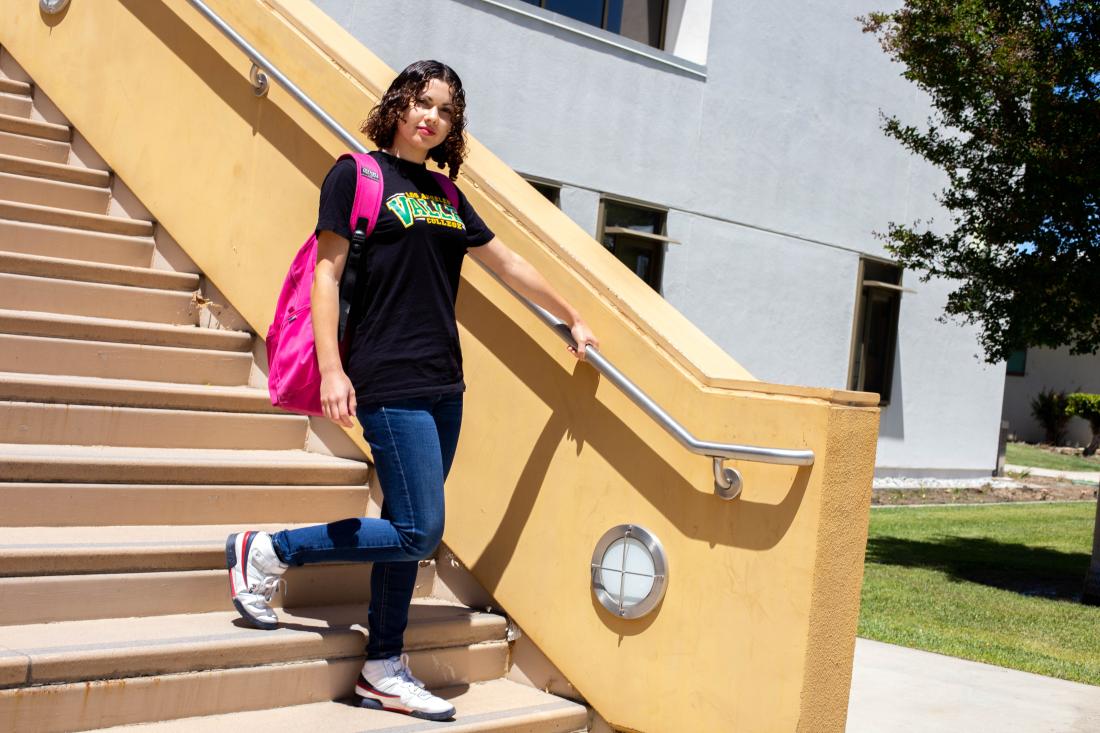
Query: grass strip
1022, 454
997, 584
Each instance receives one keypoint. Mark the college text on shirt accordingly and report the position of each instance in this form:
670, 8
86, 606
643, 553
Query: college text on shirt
411, 207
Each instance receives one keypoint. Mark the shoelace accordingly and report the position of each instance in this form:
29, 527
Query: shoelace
404, 673
270, 584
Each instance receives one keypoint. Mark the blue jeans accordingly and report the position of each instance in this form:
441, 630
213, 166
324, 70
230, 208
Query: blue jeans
413, 442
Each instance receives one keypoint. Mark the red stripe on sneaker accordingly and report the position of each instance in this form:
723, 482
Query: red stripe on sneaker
372, 690
232, 583
246, 543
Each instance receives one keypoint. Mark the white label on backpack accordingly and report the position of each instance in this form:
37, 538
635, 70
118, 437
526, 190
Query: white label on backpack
369, 173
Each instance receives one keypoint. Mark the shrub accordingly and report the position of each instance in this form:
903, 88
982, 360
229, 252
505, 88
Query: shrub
1086, 406
1049, 408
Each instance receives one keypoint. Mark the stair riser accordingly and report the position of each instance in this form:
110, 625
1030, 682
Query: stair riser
30, 354
44, 192
13, 86
48, 295
94, 505
83, 706
28, 388
25, 146
55, 172
27, 469
126, 595
15, 104
35, 128
39, 423
22, 264
28, 323
75, 244
33, 214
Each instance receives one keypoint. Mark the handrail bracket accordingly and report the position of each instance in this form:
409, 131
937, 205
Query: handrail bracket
727, 481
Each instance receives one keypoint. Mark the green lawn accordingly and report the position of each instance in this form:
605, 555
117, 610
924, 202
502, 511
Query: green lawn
1022, 454
996, 584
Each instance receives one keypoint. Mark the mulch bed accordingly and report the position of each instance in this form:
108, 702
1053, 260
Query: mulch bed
1032, 488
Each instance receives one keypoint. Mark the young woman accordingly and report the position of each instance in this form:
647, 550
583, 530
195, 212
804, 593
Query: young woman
404, 370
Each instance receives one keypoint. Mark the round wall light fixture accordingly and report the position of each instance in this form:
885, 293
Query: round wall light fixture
629, 571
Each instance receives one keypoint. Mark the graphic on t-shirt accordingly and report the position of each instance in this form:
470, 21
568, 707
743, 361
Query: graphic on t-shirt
411, 207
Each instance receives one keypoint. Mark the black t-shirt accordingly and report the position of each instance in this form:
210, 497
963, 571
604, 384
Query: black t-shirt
406, 342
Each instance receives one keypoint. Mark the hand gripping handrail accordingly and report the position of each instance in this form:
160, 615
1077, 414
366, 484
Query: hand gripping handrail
727, 481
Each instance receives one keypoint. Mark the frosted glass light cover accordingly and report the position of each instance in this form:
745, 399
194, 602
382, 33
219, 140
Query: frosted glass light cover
629, 571
638, 560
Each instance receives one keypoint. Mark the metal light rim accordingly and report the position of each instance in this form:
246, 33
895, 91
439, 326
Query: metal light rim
660, 571
52, 7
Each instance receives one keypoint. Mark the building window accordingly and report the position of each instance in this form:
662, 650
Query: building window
1017, 363
641, 20
551, 191
876, 328
636, 236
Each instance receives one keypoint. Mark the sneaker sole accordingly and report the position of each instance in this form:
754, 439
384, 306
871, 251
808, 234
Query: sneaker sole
372, 704
230, 561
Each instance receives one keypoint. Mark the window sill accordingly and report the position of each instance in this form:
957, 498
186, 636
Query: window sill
600, 35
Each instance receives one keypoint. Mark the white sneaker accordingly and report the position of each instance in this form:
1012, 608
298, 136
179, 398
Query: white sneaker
387, 684
255, 573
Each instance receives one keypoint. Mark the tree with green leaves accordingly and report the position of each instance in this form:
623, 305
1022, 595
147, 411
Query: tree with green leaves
1014, 87
1015, 126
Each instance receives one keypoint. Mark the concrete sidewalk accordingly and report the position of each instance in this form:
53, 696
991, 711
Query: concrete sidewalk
904, 690
1091, 477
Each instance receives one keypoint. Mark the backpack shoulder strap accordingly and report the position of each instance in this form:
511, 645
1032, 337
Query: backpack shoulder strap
450, 190
363, 217
368, 193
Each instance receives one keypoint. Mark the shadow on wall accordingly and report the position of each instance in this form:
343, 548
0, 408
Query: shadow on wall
892, 421
228, 82
577, 416
1029, 571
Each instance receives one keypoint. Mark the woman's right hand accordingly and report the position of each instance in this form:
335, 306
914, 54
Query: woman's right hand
338, 397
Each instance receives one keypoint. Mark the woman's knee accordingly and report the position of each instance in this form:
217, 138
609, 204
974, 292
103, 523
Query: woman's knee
421, 542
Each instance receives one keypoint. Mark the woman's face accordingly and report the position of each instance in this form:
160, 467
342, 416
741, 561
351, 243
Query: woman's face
425, 123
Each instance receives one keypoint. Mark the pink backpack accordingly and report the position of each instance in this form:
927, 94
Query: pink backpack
293, 377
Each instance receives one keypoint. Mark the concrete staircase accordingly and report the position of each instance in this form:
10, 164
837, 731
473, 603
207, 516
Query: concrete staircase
135, 434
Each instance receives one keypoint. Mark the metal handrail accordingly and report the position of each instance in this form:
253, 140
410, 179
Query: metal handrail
728, 481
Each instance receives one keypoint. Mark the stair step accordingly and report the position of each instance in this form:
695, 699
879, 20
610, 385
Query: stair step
46, 599
27, 146
42, 355
75, 504
16, 105
54, 171
82, 271
97, 464
58, 194
12, 86
132, 393
35, 128
76, 651
75, 244
139, 427
79, 706
34, 214
496, 706
31, 551
99, 300
89, 328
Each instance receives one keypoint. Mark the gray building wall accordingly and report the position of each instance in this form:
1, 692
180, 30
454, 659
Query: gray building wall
771, 161
1055, 369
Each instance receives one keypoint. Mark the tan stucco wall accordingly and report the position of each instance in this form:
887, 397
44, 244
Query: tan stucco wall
756, 630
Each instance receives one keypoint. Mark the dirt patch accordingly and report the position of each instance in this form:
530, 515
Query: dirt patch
1031, 488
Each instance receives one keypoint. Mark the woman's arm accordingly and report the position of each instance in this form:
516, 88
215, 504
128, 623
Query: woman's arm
337, 392
525, 279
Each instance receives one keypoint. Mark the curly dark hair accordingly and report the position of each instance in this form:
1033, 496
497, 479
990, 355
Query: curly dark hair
381, 124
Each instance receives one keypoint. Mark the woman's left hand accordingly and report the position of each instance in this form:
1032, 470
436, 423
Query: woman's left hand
584, 338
